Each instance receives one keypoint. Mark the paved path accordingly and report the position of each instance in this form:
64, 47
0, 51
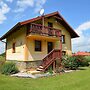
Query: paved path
28, 75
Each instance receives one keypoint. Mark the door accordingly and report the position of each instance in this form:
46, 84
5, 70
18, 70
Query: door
50, 46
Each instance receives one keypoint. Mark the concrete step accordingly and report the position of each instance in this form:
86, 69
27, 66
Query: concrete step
39, 69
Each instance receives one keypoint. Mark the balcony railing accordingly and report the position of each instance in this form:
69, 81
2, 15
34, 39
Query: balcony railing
43, 30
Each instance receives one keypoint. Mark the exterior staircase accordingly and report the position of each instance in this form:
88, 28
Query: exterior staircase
55, 54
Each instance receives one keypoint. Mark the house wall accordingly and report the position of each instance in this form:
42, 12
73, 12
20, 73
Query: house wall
19, 38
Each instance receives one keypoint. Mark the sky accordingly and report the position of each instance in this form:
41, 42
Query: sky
75, 12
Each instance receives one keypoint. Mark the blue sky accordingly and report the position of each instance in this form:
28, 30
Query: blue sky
76, 13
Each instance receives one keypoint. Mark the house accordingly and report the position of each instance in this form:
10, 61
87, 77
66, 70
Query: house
39, 42
81, 54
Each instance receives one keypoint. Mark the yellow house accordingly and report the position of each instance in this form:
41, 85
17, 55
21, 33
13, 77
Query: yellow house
39, 42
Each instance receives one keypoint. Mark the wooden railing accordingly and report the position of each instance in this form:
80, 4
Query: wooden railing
43, 30
50, 58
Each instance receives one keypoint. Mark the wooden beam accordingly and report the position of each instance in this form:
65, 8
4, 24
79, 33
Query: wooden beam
58, 18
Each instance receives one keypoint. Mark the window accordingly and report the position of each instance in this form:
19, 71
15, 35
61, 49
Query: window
13, 48
50, 24
63, 39
37, 45
63, 53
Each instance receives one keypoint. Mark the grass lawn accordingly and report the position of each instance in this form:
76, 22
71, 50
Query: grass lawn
79, 80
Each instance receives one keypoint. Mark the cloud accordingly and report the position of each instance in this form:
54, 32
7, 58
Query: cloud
2, 47
9, 1
22, 5
4, 9
39, 5
83, 42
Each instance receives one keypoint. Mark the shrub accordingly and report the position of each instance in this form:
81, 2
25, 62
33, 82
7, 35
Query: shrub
9, 68
50, 70
74, 62
70, 62
82, 61
87, 58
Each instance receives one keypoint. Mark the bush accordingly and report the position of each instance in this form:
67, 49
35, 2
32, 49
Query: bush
9, 68
74, 62
82, 61
50, 70
87, 58
70, 62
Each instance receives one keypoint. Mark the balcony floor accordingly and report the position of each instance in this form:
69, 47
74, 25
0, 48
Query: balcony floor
42, 37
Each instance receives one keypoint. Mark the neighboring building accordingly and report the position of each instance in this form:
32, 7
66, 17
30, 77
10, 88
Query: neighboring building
82, 54
28, 42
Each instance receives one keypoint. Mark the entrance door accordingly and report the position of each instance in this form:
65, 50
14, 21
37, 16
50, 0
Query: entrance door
50, 46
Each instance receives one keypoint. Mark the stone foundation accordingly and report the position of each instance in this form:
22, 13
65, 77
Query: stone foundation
23, 65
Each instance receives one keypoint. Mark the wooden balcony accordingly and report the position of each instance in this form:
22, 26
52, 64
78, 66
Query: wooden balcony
37, 29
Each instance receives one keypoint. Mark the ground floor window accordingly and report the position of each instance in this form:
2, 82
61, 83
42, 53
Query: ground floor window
37, 45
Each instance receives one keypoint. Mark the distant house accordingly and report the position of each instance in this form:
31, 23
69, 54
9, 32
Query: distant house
82, 54
39, 42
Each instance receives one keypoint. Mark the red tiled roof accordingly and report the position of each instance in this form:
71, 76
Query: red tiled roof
82, 54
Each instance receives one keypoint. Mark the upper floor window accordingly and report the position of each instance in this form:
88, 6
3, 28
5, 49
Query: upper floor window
37, 45
50, 24
63, 39
13, 48
63, 53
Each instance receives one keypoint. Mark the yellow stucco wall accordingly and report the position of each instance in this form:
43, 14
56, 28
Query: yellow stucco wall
19, 38
34, 55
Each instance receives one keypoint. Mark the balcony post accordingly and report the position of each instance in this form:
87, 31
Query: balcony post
42, 22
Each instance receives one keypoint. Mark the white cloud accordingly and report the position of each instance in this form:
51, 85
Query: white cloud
4, 9
2, 47
39, 5
83, 42
22, 5
9, 1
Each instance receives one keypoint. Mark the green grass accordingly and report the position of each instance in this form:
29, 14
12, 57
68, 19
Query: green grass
79, 80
